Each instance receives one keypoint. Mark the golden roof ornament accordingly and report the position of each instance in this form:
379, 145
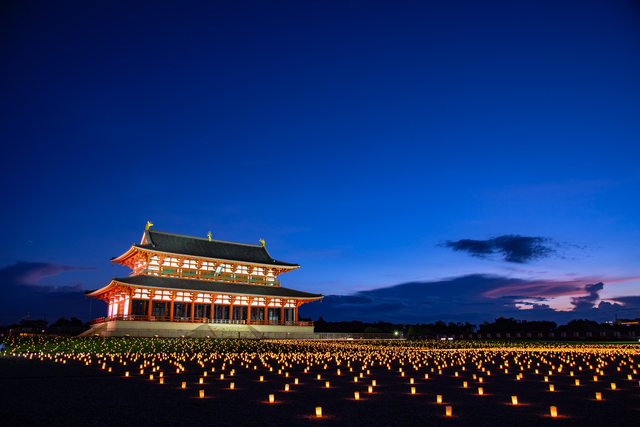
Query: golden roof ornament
146, 228
261, 242
209, 235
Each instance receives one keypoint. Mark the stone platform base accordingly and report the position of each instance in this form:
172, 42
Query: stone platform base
123, 328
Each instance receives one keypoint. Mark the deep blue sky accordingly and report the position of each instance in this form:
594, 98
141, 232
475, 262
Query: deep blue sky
454, 160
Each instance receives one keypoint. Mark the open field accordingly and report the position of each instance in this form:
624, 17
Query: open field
67, 382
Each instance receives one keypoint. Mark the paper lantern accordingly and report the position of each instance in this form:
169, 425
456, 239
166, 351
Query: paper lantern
201, 393
201, 380
271, 398
295, 381
221, 376
598, 395
577, 382
161, 380
514, 400
439, 398
184, 385
370, 389
551, 388
355, 379
233, 385
480, 391
151, 376
261, 378
413, 390
356, 395
613, 386
464, 384
595, 378
319, 376
411, 381
448, 411
373, 383
554, 411
318, 411
326, 384
286, 387
126, 374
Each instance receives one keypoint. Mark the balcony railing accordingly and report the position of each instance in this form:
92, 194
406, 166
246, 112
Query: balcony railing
184, 273
145, 318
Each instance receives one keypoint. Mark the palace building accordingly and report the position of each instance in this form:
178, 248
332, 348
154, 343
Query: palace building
200, 287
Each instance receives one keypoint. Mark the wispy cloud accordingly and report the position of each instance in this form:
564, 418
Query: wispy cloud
22, 292
510, 247
475, 298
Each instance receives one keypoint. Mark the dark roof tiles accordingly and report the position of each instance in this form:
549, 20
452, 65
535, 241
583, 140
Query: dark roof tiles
201, 247
214, 287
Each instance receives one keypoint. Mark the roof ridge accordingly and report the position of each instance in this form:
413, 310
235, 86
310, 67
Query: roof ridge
212, 240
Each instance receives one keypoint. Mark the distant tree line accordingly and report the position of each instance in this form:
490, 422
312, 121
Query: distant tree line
501, 324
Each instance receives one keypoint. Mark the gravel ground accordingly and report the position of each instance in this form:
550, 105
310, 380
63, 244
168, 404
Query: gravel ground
36, 392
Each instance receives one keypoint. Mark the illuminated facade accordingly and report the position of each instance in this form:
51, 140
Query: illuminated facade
190, 286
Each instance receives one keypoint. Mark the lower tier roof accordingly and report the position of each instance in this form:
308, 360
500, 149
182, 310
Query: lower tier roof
156, 282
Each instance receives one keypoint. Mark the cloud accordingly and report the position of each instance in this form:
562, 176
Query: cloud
22, 292
587, 302
475, 298
510, 247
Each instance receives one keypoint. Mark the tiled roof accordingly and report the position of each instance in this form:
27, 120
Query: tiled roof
201, 247
215, 287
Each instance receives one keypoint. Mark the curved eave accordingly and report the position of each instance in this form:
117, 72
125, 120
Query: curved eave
103, 290
115, 283
120, 259
288, 267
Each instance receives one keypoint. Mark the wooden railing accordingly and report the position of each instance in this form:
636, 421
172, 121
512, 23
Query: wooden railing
145, 318
185, 273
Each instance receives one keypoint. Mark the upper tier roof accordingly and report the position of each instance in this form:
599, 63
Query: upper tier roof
201, 247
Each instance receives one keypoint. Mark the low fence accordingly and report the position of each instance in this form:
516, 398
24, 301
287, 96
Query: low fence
545, 335
175, 319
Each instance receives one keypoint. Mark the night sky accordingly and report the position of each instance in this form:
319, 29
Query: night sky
421, 160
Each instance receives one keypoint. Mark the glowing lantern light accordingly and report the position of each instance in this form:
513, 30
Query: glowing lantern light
613, 386
448, 411
464, 384
577, 382
480, 391
355, 379
326, 384
426, 376
439, 398
373, 383
201, 394
286, 387
151, 376
233, 385
595, 378
126, 374
546, 379
411, 381
370, 389
551, 388
261, 378
319, 376
598, 395
514, 400
356, 395
413, 390
295, 381
201, 380
318, 411
271, 398
161, 380
184, 385
554, 411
